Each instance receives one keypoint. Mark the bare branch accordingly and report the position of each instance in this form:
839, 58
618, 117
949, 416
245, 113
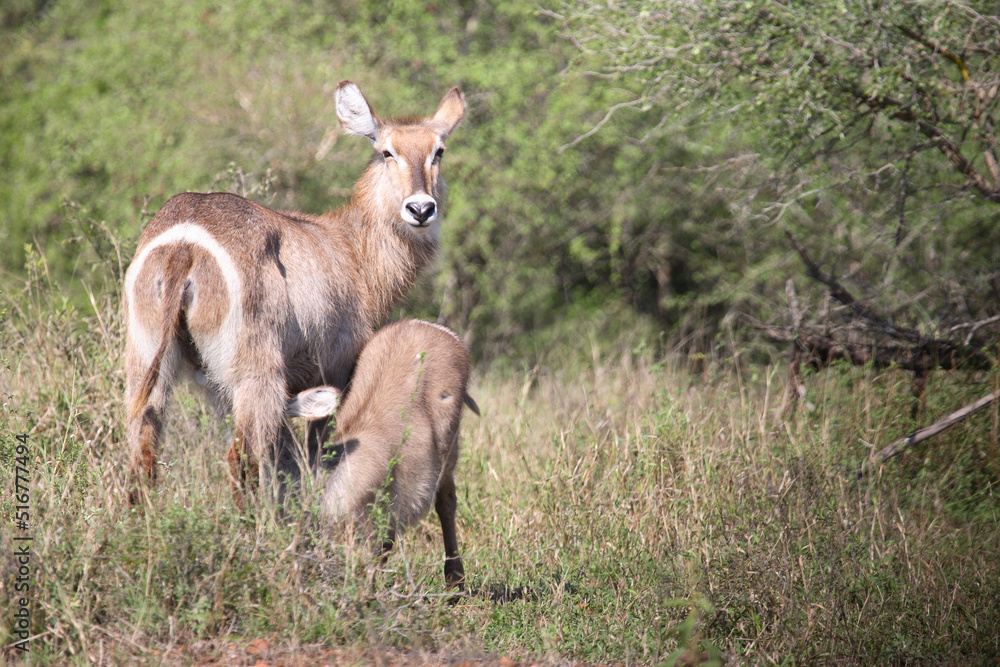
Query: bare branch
861, 344
973, 327
937, 427
938, 48
840, 293
550, 14
602, 123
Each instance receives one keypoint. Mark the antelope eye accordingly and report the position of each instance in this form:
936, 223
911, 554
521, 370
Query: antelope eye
387, 155
438, 154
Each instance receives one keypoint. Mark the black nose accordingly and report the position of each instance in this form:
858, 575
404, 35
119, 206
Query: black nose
421, 210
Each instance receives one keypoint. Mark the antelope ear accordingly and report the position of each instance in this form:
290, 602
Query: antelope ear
314, 403
355, 114
450, 112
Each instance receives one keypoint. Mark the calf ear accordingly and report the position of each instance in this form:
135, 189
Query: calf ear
355, 114
450, 112
315, 403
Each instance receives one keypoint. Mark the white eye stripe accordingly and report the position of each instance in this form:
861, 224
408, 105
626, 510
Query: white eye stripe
391, 150
438, 145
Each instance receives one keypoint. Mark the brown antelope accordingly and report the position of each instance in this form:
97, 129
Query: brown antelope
397, 432
261, 304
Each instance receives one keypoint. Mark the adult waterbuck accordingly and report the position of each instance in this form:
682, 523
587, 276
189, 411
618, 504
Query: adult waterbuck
261, 304
397, 434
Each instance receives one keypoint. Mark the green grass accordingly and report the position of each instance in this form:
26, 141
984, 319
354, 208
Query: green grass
613, 507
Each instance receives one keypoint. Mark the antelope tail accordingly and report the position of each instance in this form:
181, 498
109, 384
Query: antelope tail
175, 274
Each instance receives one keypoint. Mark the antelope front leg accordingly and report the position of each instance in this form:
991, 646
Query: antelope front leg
317, 432
258, 413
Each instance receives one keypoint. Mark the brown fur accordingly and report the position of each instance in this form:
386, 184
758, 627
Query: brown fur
397, 432
261, 304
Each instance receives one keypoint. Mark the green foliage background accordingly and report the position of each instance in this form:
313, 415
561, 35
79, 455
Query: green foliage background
109, 108
869, 130
670, 216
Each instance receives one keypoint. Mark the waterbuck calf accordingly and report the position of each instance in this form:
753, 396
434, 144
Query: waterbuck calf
262, 304
397, 433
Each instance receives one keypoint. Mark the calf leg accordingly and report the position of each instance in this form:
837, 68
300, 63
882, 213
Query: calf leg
445, 504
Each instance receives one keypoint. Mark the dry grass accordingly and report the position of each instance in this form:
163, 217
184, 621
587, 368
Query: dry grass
612, 508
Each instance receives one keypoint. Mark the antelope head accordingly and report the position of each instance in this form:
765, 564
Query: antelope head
407, 166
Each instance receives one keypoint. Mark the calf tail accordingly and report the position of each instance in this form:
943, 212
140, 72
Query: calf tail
314, 403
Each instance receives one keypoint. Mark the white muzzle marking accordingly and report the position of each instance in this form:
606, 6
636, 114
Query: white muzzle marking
416, 203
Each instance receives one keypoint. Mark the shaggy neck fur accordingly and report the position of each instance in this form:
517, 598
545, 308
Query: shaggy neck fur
390, 255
